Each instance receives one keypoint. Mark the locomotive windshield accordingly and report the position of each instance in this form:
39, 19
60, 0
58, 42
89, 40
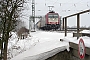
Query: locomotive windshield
53, 16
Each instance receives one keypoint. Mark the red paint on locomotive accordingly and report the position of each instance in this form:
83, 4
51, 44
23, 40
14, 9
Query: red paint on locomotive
53, 13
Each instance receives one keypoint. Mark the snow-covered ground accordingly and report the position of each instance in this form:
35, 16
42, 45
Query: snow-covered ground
41, 45
86, 39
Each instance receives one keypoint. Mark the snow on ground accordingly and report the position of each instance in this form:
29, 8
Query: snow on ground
41, 45
49, 36
86, 39
86, 31
42, 51
17, 46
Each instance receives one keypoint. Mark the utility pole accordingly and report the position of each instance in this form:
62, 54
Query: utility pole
32, 18
33, 15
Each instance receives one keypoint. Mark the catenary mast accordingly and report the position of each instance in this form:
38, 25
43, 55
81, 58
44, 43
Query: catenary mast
33, 12
32, 18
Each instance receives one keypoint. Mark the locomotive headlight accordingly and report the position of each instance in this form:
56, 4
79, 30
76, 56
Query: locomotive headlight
53, 18
49, 18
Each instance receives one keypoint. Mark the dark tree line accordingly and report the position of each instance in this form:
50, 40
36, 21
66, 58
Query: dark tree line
9, 10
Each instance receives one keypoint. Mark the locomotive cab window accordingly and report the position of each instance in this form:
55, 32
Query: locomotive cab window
52, 16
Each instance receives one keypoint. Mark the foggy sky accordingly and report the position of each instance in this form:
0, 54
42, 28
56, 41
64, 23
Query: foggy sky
63, 7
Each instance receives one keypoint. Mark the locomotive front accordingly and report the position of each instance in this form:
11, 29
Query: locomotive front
53, 20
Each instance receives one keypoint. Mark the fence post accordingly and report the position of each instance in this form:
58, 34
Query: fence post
65, 26
78, 25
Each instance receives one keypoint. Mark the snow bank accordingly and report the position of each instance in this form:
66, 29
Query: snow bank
74, 40
17, 46
85, 31
45, 44
86, 39
42, 51
45, 55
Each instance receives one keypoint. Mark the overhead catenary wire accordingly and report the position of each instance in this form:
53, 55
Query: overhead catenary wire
69, 5
74, 5
61, 4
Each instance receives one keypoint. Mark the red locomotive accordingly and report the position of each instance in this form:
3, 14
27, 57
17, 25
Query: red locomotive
50, 21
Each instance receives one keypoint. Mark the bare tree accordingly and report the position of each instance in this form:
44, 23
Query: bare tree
8, 17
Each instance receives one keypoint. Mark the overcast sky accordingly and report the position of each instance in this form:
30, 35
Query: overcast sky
63, 7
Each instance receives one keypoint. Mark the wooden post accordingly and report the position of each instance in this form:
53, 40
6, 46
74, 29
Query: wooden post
65, 26
78, 25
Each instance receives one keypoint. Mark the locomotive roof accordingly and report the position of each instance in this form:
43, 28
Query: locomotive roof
52, 12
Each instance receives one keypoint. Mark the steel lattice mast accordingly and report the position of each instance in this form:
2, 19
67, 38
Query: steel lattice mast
33, 15
33, 10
